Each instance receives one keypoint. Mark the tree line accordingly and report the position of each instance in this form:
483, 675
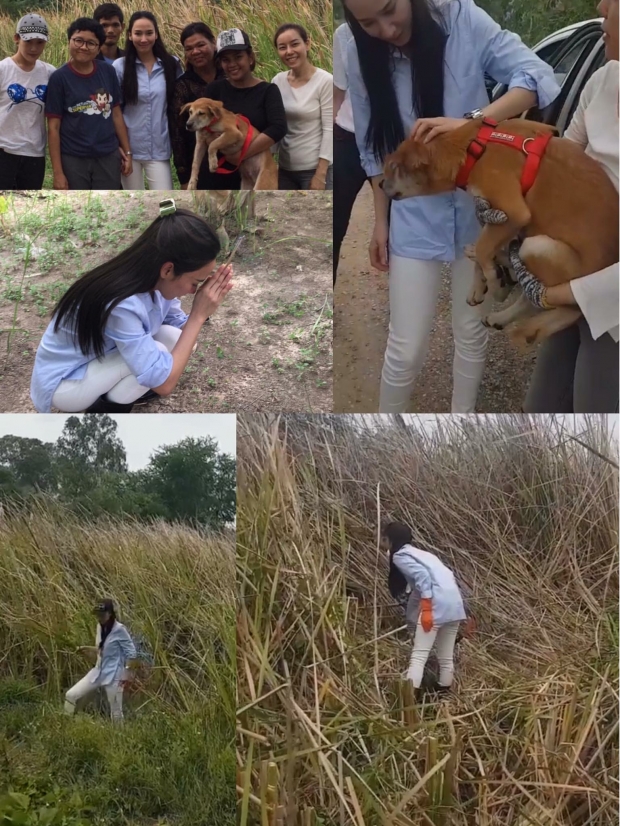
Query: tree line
191, 481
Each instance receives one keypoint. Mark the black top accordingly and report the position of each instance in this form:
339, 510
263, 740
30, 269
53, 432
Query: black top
261, 104
188, 88
121, 53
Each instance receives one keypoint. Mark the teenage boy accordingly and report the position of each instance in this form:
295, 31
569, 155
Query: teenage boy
23, 87
85, 121
113, 21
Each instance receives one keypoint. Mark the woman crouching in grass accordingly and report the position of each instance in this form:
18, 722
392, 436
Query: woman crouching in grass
435, 606
116, 659
119, 335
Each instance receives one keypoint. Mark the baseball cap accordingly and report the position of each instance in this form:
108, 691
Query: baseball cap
232, 39
106, 605
31, 26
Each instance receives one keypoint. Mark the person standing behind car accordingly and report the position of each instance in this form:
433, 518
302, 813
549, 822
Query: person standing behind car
349, 173
305, 153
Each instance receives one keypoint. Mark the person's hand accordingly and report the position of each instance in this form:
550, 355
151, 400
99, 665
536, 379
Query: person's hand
210, 295
126, 164
378, 249
317, 183
425, 129
60, 181
426, 614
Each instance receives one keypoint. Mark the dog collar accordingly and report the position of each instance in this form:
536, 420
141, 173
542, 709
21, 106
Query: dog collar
532, 148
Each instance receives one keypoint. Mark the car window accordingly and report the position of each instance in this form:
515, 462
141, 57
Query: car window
569, 58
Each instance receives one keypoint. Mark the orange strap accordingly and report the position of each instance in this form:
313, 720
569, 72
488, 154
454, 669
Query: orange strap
244, 148
533, 149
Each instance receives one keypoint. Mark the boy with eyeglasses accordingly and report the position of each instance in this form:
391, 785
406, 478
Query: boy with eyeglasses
112, 19
88, 140
23, 87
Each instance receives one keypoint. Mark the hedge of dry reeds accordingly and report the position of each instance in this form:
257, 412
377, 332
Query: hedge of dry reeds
527, 517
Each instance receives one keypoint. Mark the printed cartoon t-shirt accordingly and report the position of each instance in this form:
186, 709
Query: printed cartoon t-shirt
85, 103
22, 102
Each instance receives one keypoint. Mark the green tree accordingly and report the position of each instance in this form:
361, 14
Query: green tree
32, 462
194, 481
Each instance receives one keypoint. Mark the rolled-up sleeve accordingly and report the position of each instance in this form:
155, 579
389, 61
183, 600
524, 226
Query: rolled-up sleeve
508, 60
361, 113
149, 364
415, 572
175, 317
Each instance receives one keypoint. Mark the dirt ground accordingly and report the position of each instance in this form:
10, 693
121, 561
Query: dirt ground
360, 333
269, 346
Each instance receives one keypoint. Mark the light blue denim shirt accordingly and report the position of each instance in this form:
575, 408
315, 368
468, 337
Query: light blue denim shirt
147, 121
118, 648
130, 329
438, 227
430, 579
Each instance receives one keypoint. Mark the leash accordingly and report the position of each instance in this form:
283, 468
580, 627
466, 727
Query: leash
532, 148
244, 148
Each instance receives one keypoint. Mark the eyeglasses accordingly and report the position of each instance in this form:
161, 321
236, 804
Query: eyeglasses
88, 44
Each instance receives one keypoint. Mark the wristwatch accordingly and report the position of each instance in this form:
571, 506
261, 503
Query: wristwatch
474, 114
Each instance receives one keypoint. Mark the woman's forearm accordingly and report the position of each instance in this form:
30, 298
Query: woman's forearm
511, 105
181, 353
258, 145
382, 203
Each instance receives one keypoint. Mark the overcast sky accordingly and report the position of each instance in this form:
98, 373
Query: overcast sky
141, 433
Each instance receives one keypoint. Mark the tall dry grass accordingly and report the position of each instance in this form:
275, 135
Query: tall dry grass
528, 520
260, 18
173, 760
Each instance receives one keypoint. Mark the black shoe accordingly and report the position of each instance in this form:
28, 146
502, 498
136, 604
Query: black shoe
149, 396
442, 690
419, 694
102, 405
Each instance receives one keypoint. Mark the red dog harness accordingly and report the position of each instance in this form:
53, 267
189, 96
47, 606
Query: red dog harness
532, 148
244, 148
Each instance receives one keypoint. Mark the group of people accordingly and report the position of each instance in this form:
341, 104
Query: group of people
113, 114
419, 66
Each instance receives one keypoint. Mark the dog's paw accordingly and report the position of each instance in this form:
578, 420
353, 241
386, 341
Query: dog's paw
193, 183
477, 295
212, 164
491, 322
470, 252
524, 336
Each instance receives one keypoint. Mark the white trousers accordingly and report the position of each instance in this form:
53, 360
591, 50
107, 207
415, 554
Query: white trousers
158, 175
414, 289
114, 693
111, 375
445, 637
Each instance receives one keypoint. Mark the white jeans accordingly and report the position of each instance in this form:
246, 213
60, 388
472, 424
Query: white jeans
114, 693
111, 375
414, 288
445, 636
158, 175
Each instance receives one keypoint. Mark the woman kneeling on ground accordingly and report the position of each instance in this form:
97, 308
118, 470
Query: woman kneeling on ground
116, 659
119, 335
435, 605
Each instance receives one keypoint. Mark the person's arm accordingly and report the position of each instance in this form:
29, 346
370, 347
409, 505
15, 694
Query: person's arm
176, 316
505, 57
123, 138
275, 130
53, 141
178, 133
326, 150
415, 572
339, 68
339, 97
576, 130
597, 296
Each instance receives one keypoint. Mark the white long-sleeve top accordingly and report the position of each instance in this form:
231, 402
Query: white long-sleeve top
595, 127
429, 578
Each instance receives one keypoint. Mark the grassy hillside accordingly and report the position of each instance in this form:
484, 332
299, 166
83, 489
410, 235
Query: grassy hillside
527, 518
173, 760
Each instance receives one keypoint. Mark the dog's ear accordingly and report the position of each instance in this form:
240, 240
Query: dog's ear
413, 155
184, 108
214, 108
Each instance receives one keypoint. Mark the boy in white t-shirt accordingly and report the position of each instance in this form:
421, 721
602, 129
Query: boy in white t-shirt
23, 87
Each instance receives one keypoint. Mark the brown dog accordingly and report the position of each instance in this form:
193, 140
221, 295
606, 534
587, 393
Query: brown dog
569, 217
218, 130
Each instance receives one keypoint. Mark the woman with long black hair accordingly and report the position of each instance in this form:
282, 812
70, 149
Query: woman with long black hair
147, 75
119, 331
115, 655
435, 606
421, 64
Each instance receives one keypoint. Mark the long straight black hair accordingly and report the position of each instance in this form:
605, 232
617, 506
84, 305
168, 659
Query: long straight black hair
183, 238
398, 534
130, 78
105, 629
426, 52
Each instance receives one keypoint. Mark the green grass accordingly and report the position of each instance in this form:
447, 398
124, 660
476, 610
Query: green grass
173, 760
